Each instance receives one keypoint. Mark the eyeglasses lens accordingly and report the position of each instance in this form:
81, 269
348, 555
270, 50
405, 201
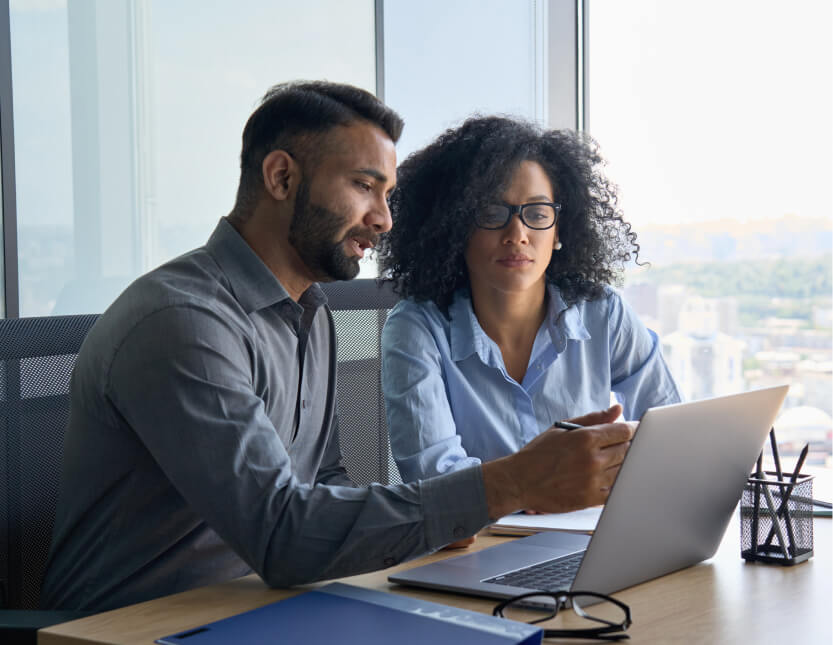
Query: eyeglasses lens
539, 215
598, 610
589, 612
531, 609
536, 216
492, 216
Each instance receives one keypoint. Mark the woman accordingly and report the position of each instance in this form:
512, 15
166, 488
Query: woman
505, 241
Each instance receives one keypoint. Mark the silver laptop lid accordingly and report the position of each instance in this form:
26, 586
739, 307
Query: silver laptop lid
676, 491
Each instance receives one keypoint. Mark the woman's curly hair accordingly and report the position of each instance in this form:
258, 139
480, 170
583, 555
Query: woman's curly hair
441, 187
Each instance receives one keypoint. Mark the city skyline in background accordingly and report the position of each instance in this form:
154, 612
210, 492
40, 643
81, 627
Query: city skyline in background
717, 121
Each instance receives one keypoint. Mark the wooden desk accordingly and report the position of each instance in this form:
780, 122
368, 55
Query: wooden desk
722, 600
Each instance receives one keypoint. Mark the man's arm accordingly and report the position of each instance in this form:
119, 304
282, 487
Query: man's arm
332, 471
182, 381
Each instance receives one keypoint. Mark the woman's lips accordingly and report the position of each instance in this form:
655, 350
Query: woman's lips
515, 261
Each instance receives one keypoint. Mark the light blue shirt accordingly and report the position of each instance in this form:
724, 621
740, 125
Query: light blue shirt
451, 403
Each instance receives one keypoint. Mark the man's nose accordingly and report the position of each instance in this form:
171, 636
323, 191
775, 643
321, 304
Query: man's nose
379, 218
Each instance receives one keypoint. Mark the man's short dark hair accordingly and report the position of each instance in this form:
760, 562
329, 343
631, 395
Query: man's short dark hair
290, 115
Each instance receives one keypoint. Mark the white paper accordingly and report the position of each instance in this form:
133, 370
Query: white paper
583, 521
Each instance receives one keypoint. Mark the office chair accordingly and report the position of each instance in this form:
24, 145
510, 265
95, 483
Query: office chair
37, 356
36, 360
360, 308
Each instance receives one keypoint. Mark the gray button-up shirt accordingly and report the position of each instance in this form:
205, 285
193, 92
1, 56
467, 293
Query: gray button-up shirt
190, 457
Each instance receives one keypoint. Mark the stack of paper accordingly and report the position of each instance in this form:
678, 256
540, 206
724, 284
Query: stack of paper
583, 521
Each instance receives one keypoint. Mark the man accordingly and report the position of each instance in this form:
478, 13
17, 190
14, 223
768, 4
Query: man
203, 440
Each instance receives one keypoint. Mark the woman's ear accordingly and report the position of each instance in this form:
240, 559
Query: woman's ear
280, 174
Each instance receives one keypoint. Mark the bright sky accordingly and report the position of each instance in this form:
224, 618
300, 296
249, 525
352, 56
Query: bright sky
715, 108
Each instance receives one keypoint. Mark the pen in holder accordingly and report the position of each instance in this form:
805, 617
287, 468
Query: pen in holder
776, 518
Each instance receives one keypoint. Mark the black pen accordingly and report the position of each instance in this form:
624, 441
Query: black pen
785, 498
566, 425
757, 502
783, 510
775, 456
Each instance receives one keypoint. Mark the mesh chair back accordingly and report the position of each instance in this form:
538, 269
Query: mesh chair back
37, 356
360, 308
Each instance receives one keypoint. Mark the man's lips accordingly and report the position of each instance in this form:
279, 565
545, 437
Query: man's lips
360, 245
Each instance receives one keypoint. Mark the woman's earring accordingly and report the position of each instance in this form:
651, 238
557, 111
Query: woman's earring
558, 246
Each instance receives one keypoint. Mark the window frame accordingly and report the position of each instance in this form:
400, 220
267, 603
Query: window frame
562, 101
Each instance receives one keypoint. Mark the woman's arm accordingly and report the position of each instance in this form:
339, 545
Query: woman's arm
639, 374
423, 433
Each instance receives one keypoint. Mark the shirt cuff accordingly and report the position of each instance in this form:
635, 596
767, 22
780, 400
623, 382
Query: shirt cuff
454, 506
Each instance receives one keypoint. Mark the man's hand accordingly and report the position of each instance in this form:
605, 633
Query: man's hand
559, 470
461, 544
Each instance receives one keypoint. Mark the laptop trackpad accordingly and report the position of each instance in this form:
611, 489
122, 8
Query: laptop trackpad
517, 554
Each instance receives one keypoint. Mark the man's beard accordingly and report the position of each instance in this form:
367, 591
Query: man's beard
313, 233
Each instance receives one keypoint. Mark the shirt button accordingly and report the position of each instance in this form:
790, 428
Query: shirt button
459, 532
389, 562
304, 404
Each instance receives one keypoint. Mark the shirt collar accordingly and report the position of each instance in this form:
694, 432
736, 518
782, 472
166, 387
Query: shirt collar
564, 321
467, 336
251, 281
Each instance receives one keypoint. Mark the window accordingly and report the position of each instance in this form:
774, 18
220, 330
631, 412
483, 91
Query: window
127, 122
128, 113
716, 120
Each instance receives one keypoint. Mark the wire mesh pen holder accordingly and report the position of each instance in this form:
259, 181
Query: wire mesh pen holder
776, 520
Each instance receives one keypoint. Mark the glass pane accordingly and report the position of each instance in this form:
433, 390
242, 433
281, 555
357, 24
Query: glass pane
445, 60
128, 116
717, 118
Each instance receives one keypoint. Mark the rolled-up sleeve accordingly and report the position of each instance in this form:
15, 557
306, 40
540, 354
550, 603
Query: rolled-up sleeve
208, 431
423, 433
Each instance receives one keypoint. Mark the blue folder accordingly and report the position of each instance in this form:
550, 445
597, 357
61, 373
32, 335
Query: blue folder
339, 613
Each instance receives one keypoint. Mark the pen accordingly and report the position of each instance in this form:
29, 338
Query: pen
785, 498
783, 509
566, 425
775, 456
776, 524
757, 503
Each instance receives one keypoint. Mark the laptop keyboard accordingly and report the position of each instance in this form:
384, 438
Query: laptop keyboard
553, 575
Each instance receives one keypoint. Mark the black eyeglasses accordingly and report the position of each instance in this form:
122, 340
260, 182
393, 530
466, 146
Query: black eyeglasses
613, 616
536, 215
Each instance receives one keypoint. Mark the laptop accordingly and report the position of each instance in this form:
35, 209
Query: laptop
668, 508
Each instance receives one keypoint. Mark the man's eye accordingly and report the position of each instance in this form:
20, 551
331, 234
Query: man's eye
364, 186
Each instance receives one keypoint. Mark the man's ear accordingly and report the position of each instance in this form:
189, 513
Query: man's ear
281, 174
